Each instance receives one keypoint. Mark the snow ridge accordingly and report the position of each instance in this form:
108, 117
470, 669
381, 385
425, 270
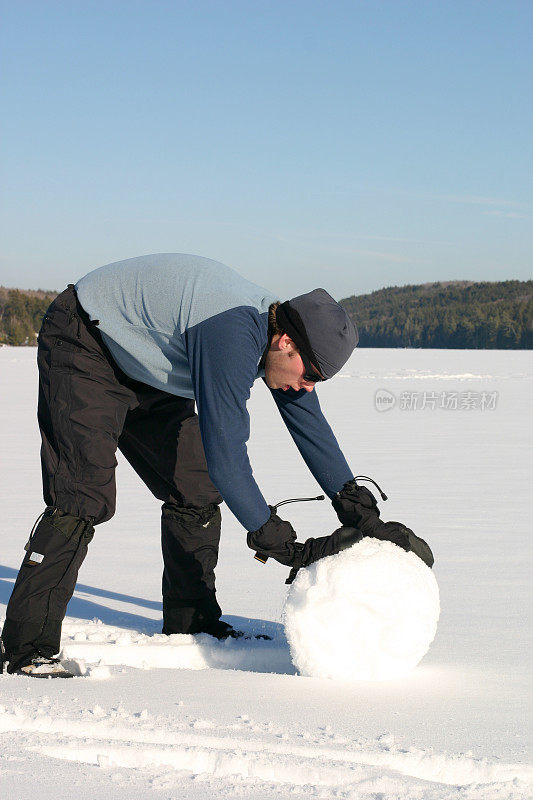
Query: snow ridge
96, 643
252, 752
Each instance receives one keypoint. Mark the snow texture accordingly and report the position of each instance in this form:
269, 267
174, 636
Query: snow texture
156, 718
367, 613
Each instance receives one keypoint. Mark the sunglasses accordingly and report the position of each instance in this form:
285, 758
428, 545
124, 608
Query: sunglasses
310, 374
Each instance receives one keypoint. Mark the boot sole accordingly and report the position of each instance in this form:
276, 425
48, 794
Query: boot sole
43, 674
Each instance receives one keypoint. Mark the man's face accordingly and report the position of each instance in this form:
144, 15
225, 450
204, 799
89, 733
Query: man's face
284, 368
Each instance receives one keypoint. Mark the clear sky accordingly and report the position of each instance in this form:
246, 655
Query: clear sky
350, 145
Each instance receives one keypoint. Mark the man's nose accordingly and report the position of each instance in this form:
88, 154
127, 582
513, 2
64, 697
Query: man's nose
308, 387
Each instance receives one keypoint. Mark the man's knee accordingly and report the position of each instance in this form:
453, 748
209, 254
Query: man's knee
189, 540
82, 503
194, 526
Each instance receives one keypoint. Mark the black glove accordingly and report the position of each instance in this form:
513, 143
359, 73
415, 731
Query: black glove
275, 539
356, 506
321, 546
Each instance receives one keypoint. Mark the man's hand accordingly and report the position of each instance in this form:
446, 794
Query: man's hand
275, 539
357, 510
356, 506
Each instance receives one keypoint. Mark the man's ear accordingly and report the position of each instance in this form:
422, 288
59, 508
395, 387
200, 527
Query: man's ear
285, 342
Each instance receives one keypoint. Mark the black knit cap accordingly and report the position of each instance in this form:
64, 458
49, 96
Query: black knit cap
319, 327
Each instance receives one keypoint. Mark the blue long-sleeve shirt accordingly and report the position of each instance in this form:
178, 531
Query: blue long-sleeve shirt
193, 327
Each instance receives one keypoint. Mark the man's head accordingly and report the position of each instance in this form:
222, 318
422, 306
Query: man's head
312, 339
285, 368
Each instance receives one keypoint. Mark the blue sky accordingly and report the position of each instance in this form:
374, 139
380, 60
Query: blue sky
352, 145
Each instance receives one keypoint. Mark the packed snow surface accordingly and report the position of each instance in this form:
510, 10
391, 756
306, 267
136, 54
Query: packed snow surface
367, 613
158, 718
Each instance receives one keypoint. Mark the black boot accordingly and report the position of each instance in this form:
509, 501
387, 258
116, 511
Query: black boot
44, 586
189, 540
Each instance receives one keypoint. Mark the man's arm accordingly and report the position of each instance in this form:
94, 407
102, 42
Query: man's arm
223, 353
314, 438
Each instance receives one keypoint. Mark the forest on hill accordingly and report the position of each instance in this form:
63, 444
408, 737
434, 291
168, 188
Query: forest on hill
453, 314
21, 314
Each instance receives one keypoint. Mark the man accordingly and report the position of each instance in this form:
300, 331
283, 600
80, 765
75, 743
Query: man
123, 356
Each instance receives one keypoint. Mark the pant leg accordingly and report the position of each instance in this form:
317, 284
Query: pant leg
83, 402
44, 586
82, 406
161, 439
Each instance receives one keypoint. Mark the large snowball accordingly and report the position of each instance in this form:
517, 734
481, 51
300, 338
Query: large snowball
367, 613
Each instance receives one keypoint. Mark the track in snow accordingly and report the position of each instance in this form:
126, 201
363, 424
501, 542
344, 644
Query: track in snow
260, 753
106, 645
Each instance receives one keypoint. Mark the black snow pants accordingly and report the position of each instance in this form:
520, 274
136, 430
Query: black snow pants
87, 408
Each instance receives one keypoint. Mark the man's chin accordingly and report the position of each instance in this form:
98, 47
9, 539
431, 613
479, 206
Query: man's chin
272, 385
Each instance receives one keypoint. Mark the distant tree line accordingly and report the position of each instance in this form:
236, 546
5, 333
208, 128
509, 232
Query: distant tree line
455, 314
21, 314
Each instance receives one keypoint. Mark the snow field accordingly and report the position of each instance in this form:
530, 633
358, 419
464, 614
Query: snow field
232, 719
250, 751
367, 613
